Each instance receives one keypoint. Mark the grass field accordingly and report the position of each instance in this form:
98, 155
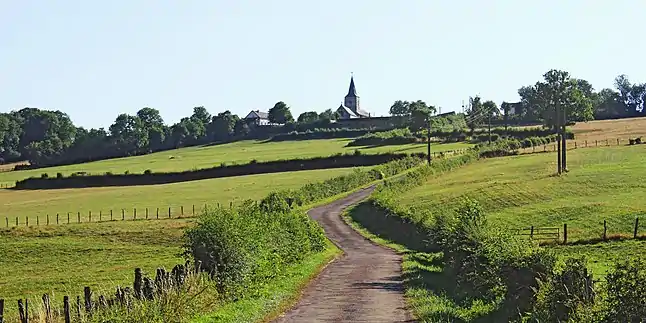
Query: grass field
64, 258
210, 156
610, 129
103, 199
521, 191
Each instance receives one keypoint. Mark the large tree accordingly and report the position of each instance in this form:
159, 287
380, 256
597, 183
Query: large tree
559, 91
419, 114
280, 113
222, 126
308, 117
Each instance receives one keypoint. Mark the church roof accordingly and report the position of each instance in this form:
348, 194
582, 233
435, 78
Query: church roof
352, 92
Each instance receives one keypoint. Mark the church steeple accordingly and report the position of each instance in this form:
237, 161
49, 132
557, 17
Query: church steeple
352, 99
352, 91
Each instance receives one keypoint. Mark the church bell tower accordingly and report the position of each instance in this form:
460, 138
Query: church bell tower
352, 99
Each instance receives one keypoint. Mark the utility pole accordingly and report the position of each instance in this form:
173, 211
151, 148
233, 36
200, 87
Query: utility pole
428, 140
557, 127
563, 142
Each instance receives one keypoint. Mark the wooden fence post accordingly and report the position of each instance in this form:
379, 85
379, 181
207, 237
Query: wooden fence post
47, 218
181, 212
90, 215
531, 232
138, 283
146, 213
56, 218
123, 214
231, 204
47, 308
27, 221
617, 141
586, 143
193, 209
596, 143
636, 226
37, 220
169, 212
16, 221
78, 307
575, 145
158, 213
87, 293
607, 142
21, 311
100, 215
564, 233
605, 229
110, 214
68, 217
134, 212
66, 309
78, 217
1, 310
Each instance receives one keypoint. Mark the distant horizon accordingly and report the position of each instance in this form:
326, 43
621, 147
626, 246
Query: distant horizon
94, 61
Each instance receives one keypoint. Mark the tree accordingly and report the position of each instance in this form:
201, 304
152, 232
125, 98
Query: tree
419, 115
329, 115
241, 128
560, 91
631, 95
400, 108
476, 115
153, 126
490, 108
222, 126
308, 117
280, 113
128, 134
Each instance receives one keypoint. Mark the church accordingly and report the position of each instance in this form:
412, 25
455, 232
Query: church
350, 109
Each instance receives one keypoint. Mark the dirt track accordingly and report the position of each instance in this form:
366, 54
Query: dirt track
363, 285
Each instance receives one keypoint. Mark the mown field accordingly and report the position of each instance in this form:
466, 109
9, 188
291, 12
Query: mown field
210, 156
65, 258
39, 203
522, 191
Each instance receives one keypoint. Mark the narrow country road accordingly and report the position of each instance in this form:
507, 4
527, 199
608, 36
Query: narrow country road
363, 285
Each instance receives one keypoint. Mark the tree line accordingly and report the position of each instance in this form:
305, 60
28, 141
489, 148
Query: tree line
46, 137
538, 102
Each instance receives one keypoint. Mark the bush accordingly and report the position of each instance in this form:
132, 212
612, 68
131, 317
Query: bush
59, 175
625, 299
148, 172
242, 247
44, 175
391, 137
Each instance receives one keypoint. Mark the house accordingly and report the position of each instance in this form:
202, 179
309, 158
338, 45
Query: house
350, 108
258, 118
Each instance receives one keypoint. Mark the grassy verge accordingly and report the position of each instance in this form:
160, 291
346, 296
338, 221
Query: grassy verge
277, 295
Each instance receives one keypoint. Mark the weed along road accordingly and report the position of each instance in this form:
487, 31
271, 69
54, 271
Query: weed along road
362, 285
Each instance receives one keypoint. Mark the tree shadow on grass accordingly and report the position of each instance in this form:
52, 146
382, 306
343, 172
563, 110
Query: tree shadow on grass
423, 270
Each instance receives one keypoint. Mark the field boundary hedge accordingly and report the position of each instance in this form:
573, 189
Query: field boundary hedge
223, 170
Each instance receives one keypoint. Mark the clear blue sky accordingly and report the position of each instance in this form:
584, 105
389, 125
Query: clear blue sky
96, 59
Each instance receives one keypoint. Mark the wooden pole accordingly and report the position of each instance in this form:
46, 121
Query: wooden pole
1, 310
636, 226
193, 209
531, 232
605, 230
66, 309
89, 214
87, 293
123, 214
564, 233
47, 308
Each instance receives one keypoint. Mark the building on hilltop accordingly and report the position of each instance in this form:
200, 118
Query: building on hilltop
258, 118
350, 108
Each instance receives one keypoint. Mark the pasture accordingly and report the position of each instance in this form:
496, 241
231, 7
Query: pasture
209, 156
101, 200
64, 258
522, 191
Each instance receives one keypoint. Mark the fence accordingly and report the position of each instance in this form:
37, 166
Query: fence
555, 234
576, 144
143, 289
111, 215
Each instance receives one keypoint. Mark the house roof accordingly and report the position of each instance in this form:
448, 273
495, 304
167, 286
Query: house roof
348, 111
257, 114
363, 113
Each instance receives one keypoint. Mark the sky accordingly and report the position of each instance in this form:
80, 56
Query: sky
96, 59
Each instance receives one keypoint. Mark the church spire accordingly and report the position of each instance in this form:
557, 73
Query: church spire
352, 92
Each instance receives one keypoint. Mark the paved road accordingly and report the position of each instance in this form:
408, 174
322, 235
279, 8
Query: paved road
363, 285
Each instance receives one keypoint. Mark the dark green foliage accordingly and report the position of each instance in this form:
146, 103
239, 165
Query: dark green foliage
320, 133
148, 172
44, 175
243, 247
391, 137
59, 175
568, 291
625, 299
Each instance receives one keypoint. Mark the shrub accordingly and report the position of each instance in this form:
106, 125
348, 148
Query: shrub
391, 137
108, 174
59, 175
625, 299
148, 172
127, 172
44, 175
242, 247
